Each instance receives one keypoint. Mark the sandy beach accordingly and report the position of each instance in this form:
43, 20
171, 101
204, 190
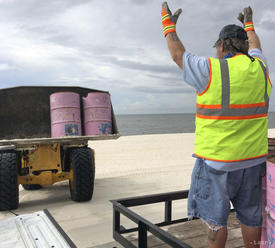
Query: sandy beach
129, 166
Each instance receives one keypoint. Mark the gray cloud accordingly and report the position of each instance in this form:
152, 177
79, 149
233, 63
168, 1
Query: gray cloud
177, 81
139, 66
164, 90
32, 9
109, 45
268, 25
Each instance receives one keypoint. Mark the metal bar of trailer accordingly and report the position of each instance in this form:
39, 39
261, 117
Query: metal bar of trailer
61, 140
168, 212
142, 235
155, 198
123, 230
116, 220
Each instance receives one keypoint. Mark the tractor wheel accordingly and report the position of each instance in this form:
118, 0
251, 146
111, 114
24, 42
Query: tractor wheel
31, 186
83, 168
9, 194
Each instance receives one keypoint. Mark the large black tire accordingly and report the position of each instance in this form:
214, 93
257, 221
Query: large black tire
9, 194
31, 186
83, 166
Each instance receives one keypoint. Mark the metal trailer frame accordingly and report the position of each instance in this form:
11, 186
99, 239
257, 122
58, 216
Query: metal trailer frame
121, 206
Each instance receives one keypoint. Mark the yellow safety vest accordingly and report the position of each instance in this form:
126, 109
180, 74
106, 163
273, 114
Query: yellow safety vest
231, 119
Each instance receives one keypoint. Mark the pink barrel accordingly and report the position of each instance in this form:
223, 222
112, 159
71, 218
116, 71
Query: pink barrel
268, 229
270, 232
97, 114
270, 186
65, 114
263, 234
270, 204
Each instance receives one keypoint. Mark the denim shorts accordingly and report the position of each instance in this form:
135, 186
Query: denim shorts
212, 190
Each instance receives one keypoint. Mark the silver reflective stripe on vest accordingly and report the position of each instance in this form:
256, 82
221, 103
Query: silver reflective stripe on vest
266, 97
225, 85
225, 109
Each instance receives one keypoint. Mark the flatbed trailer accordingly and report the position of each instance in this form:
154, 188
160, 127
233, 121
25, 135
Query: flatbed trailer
175, 233
31, 157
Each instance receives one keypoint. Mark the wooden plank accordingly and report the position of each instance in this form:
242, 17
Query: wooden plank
193, 233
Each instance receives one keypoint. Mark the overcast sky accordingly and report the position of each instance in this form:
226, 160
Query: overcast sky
118, 46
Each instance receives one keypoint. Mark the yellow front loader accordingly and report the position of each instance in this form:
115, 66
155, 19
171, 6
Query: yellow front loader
28, 154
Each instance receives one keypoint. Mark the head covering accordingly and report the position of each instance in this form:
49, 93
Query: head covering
232, 31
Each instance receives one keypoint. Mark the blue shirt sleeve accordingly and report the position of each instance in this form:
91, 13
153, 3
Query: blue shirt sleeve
258, 54
196, 71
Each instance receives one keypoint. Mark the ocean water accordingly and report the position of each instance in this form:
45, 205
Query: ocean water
162, 123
